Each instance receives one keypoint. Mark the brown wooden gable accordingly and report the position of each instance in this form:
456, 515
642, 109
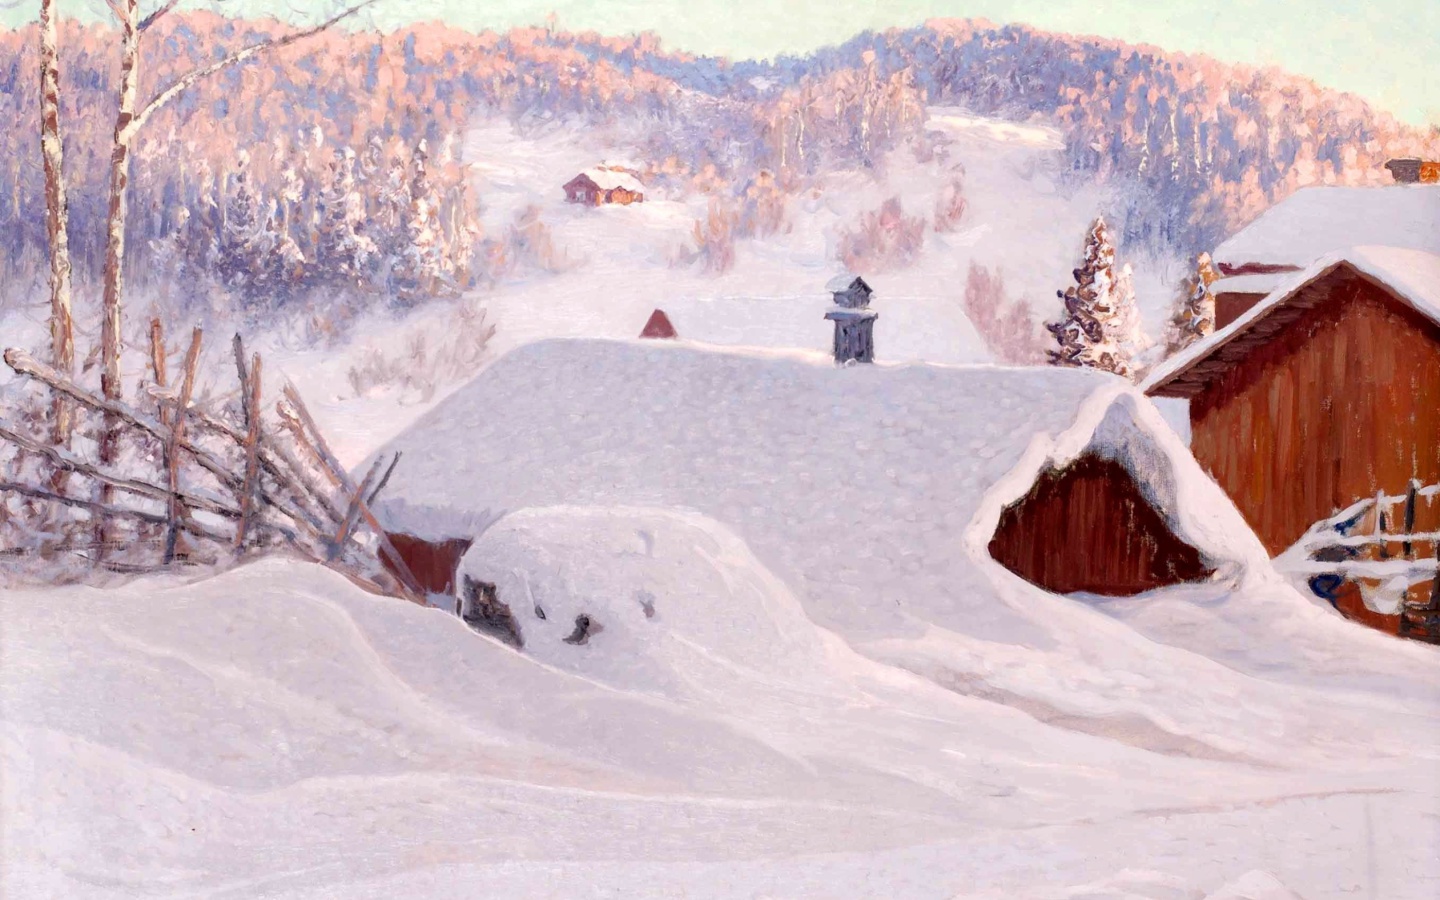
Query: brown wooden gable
1087, 527
1339, 400
1229, 350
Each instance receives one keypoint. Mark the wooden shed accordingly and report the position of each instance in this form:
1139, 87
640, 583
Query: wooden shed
1088, 527
1325, 392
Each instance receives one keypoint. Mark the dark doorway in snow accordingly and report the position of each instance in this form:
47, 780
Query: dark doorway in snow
1087, 527
480, 606
433, 563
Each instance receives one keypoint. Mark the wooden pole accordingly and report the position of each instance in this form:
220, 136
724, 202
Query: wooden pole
159, 363
353, 511
26, 365
385, 479
64, 459
104, 510
175, 510
342, 479
250, 402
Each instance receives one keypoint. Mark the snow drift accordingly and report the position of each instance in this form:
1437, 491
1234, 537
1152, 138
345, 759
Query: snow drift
871, 491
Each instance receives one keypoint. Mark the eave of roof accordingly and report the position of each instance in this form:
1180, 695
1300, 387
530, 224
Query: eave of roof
1412, 276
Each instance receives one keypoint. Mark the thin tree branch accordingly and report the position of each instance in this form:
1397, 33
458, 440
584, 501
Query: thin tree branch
157, 14
185, 81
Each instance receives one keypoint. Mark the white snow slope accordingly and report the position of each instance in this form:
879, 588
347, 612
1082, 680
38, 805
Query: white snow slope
757, 715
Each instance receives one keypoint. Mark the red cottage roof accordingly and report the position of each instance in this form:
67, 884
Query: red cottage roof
659, 326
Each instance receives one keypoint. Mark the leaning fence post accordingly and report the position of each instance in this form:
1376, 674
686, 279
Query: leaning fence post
250, 404
174, 509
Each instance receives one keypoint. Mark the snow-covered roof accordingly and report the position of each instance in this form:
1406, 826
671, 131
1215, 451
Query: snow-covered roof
879, 485
1412, 275
1317, 221
609, 179
1254, 283
842, 282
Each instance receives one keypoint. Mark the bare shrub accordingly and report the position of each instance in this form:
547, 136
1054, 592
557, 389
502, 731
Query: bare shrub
715, 237
950, 206
1007, 328
882, 239
427, 361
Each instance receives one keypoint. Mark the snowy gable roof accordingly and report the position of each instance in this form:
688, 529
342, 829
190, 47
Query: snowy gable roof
1317, 221
1413, 276
825, 472
609, 179
843, 282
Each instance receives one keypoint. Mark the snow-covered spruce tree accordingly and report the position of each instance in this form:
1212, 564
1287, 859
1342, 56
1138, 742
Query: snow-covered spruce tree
423, 268
1194, 315
236, 259
343, 252
1130, 329
1097, 326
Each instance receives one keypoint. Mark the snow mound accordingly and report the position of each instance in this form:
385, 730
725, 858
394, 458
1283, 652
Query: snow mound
1256, 885
872, 492
677, 604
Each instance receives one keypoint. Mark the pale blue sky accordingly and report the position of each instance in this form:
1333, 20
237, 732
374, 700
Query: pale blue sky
1385, 50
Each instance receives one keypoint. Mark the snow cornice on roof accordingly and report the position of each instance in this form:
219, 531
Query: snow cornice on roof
1411, 276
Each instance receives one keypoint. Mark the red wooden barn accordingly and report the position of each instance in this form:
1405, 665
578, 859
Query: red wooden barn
1323, 393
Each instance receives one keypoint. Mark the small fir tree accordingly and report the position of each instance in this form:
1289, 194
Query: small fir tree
1194, 316
1097, 325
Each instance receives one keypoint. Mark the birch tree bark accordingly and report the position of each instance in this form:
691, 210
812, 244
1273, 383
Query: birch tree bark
129, 118
57, 220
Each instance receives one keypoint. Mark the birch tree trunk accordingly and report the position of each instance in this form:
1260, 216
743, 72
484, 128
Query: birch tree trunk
57, 220
127, 12
128, 15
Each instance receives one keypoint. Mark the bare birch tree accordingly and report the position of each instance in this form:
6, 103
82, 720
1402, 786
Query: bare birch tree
57, 220
130, 117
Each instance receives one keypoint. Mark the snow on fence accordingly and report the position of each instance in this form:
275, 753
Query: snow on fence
191, 485
1375, 544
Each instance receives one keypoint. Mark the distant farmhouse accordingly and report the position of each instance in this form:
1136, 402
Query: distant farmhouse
605, 185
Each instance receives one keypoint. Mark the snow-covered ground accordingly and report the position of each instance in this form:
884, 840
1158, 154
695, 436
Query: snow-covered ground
753, 716
274, 732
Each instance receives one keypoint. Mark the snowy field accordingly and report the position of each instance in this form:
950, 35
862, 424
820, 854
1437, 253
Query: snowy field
620, 262
752, 718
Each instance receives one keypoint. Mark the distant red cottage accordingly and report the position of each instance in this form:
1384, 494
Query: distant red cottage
658, 326
604, 185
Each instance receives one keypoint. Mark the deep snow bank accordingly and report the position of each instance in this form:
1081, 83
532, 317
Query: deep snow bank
676, 604
275, 732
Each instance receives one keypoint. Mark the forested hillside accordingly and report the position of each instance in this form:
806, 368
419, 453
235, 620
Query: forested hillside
333, 164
